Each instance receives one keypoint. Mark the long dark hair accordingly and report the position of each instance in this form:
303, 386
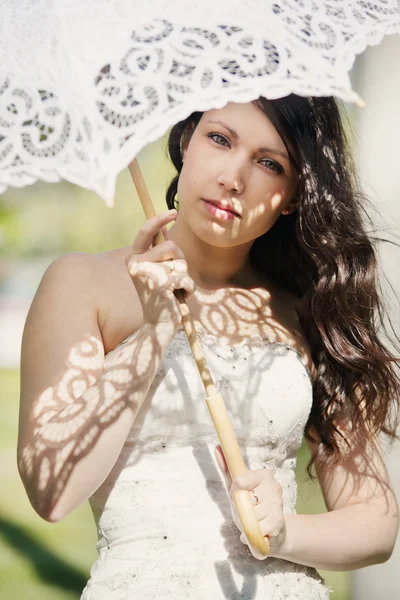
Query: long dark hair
323, 254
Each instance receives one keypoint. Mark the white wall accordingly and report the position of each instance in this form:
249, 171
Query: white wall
377, 80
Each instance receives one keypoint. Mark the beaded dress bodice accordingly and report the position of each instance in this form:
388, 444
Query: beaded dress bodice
163, 514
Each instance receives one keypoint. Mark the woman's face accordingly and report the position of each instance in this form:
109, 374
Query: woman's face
248, 170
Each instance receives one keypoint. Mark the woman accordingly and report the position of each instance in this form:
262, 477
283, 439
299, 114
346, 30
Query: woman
269, 247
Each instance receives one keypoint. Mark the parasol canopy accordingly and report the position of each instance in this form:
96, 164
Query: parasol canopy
86, 84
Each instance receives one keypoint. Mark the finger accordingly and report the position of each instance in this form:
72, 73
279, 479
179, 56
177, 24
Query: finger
165, 232
155, 270
175, 279
187, 293
165, 251
186, 283
179, 266
149, 229
223, 465
220, 458
251, 479
272, 526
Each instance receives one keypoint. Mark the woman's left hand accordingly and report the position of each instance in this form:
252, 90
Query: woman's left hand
269, 508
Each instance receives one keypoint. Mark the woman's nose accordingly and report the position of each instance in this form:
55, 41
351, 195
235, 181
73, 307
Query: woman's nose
231, 179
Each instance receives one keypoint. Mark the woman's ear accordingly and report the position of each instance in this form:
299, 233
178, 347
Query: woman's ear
291, 207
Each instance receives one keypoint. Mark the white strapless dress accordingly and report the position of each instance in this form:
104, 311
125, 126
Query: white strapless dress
163, 515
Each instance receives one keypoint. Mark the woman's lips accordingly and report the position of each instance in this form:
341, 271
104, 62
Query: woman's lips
227, 215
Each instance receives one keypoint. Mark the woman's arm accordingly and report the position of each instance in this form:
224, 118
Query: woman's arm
362, 524
75, 414
360, 528
345, 539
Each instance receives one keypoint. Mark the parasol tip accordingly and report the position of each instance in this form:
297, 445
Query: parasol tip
359, 101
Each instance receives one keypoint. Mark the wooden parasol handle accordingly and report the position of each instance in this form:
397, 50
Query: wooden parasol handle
215, 402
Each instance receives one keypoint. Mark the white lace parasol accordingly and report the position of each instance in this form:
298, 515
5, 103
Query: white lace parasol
86, 84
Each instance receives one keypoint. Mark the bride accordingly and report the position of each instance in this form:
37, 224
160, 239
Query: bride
265, 236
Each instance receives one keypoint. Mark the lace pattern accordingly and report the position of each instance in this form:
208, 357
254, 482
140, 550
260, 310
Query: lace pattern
232, 351
84, 99
167, 527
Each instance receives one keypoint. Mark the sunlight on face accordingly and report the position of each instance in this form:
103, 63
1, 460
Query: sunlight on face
235, 156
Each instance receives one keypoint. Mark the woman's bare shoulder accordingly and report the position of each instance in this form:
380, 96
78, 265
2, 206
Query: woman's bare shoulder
120, 311
103, 282
82, 267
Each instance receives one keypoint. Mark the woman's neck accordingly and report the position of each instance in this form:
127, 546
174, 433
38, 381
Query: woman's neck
214, 266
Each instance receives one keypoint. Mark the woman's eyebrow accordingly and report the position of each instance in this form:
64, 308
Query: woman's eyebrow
262, 149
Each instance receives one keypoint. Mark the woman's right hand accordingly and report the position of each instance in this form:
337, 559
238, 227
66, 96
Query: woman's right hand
151, 273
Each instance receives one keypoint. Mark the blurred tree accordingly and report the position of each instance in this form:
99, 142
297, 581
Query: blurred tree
54, 218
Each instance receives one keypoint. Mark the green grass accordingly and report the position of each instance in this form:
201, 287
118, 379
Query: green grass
51, 561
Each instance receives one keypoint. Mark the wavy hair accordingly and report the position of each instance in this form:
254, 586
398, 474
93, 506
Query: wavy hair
323, 254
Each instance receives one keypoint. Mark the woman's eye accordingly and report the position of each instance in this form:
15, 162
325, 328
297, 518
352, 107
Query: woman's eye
218, 135
272, 165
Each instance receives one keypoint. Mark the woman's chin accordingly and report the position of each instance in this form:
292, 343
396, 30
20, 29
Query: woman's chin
214, 234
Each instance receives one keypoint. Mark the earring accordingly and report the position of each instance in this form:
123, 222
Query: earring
288, 211
176, 202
